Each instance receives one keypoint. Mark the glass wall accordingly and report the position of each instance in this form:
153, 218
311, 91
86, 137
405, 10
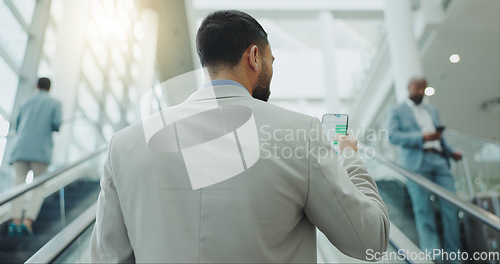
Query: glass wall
108, 72
113, 31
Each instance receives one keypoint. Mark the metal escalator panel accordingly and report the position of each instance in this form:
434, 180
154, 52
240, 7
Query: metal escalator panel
78, 250
71, 245
392, 189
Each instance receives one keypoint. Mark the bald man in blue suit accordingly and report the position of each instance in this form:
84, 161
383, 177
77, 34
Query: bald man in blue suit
413, 126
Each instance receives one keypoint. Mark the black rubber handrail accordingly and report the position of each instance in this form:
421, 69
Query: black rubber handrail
469, 138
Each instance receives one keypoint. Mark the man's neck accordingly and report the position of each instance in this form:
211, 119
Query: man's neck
228, 75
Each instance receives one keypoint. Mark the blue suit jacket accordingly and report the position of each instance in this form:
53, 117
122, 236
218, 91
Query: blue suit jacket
405, 132
37, 118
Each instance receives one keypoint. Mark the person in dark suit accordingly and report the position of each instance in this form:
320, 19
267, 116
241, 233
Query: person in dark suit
413, 125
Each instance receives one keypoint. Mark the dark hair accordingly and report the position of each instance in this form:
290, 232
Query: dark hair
44, 83
224, 35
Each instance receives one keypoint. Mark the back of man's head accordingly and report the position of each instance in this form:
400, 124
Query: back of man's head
44, 84
224, 35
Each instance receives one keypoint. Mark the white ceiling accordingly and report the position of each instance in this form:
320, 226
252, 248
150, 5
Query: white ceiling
472, 30
466, 15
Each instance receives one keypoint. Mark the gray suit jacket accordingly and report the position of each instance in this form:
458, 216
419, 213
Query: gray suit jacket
405, 132
148, 211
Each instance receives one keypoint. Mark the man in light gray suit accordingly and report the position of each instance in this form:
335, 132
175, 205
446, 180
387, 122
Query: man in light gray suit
263, 179
414, 126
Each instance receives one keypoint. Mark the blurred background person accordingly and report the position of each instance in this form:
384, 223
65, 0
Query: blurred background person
38, 117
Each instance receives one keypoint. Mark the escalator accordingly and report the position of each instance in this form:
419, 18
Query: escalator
79, 196
479, 171
391, 181
479, 225
71, 244
399, 206
77, 251
74, 188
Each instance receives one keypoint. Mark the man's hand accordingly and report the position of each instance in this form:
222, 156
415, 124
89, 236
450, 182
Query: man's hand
432, 136
346, 142
457, 156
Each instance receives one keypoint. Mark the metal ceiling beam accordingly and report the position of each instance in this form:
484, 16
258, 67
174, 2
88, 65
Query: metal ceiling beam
299, 14
295, 9
5, 56
292, 5
17, 15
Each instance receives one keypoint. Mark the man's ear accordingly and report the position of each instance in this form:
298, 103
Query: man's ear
253, 59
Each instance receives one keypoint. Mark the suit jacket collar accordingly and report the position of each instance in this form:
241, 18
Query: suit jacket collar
219, 92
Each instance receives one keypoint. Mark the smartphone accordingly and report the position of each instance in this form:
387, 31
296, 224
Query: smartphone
335, 124
440, 129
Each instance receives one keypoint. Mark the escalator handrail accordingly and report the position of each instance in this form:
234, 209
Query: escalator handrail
50, 251
39, 180
56, 246
467, 137
475, 211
